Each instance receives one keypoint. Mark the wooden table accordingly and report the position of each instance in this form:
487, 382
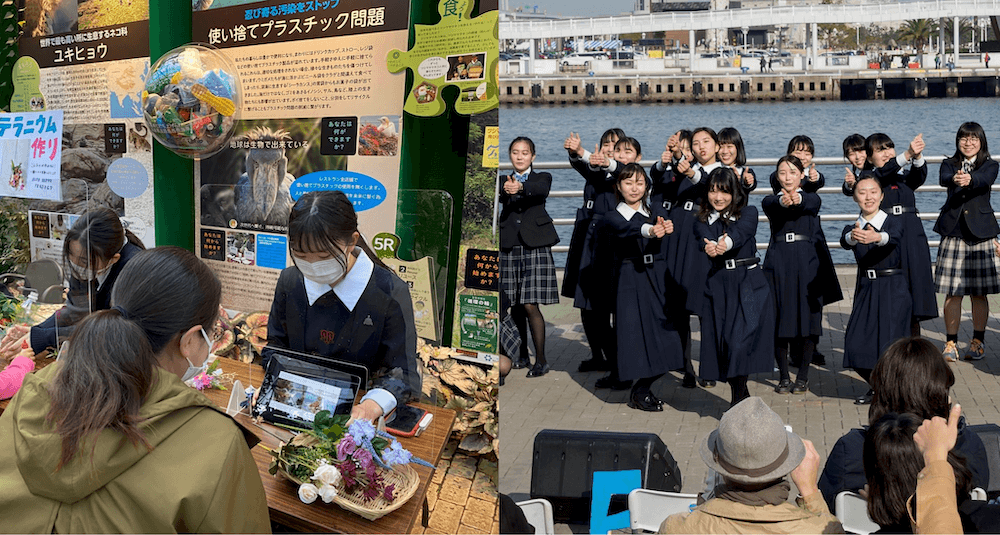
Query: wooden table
282, 495
318, 517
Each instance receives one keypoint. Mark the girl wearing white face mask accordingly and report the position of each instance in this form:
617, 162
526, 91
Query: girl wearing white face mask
96, 249
339, 301
109, 440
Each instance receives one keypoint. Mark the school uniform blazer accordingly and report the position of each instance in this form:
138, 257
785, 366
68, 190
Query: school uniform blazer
374, 334
44, 335
971, 203
523, 220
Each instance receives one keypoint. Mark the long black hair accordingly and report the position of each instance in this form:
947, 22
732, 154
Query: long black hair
109, 366
725, 180
892, 461
974, 130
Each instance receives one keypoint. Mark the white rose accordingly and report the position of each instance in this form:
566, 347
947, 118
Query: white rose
327, 474
327, 492
308, 492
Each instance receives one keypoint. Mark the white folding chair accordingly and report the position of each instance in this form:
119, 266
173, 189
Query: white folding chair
539, 515
978, 494
852, 511
648, 508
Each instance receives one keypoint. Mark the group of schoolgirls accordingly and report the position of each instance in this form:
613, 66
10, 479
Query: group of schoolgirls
680, 241
895, 288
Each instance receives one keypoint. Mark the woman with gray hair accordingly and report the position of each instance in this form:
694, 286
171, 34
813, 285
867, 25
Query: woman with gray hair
753, 452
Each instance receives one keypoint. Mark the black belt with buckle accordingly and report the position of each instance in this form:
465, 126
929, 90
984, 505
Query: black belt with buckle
734, 263
899, 209
793, 237
689, 205
644, 260
873, 274
667, 205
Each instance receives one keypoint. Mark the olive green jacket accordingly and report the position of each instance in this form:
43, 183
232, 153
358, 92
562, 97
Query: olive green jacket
199, 476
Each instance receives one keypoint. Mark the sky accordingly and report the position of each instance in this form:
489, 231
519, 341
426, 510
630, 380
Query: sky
577, 8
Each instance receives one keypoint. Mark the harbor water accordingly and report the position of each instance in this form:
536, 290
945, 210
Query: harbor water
766, 128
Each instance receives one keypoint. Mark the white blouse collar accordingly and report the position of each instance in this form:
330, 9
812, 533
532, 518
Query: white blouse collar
627, 212
349, 289
714, 216
877, 220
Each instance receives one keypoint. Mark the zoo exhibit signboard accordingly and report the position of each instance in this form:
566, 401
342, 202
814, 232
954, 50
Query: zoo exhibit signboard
88, 59
321, 111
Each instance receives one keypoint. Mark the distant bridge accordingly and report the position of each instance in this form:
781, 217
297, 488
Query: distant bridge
751, 17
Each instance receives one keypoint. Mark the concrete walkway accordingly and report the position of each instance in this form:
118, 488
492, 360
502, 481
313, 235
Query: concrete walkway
566, 399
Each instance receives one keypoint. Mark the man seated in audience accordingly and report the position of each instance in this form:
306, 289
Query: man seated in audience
753, 452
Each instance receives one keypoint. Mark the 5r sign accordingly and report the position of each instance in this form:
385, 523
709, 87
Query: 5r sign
385, 245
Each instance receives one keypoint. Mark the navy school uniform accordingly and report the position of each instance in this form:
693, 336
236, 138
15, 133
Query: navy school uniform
360, 320
882, 303
648, 343
579, 282
737, 320
899, 202
47, 333
792, 266
686, 259
831, 292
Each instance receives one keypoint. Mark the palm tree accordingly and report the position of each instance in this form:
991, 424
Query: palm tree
918, 32
966, 32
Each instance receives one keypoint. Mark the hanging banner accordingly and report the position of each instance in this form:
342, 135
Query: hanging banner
87, 59
321, 112
32, 143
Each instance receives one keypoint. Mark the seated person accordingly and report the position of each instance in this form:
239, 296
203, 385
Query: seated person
753, 452
109, 439
893, 462
96, 249
339, 301
911, 376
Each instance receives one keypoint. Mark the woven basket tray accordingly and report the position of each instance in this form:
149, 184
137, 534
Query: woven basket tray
404, 477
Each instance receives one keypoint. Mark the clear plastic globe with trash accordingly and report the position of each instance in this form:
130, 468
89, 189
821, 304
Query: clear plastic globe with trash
191, 100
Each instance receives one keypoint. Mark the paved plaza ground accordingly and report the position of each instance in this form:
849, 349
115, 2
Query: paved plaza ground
566, 399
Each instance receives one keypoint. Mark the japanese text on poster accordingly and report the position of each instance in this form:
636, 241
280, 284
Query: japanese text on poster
31, 150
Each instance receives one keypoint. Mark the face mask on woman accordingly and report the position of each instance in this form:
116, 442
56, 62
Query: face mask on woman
195, 370
327, 271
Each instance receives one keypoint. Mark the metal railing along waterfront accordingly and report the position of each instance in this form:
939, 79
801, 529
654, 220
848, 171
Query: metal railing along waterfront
751, 162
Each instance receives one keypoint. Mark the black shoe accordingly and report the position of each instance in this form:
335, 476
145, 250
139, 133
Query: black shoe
800, 387
865, 399
608, 381
646, 403
538, 370
706, 383
594, 365
690, 381
784, 387
656, 400
520, 364
819, 359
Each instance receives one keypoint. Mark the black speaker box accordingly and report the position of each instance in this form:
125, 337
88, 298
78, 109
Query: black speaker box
563, 465
990, 434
